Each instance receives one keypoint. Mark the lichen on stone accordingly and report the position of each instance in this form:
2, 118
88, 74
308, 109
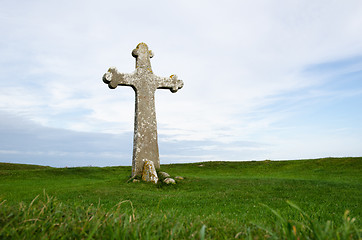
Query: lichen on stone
149, 173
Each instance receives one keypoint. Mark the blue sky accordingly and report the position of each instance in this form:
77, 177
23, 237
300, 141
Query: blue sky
262, 80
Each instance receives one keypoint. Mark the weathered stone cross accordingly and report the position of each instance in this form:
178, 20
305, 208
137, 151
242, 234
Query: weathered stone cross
144, 83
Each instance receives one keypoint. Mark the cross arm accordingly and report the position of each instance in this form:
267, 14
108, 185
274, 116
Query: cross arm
172, 83
114, 78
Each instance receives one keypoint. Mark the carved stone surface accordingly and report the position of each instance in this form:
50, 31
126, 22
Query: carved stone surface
144, 83
149, 173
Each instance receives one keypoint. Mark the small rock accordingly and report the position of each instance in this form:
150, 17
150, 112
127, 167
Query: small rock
136, 180
169, 180
164, 174
179, 178
201, 165
149, 173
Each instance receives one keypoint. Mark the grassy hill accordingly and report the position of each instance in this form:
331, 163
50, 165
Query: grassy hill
268, 199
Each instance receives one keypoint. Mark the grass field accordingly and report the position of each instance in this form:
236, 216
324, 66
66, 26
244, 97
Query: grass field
305, 199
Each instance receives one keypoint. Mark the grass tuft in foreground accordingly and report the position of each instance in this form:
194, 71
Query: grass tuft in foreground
309, 228
51, 219
47, 218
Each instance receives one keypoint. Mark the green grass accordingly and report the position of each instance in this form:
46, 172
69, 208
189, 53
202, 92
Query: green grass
216, 200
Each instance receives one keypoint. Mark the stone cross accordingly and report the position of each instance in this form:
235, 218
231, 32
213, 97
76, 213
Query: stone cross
144, 83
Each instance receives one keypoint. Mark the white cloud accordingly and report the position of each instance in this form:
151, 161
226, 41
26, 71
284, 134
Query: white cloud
245, 64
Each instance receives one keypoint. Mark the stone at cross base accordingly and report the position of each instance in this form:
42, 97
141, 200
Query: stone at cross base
144, 83
149, 173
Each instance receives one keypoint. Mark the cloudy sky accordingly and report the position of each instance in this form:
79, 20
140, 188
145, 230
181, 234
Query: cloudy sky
262, 79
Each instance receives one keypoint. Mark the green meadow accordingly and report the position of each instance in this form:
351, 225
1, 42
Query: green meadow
299, 199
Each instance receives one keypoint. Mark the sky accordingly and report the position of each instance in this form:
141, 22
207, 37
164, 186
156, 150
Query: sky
276, 80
